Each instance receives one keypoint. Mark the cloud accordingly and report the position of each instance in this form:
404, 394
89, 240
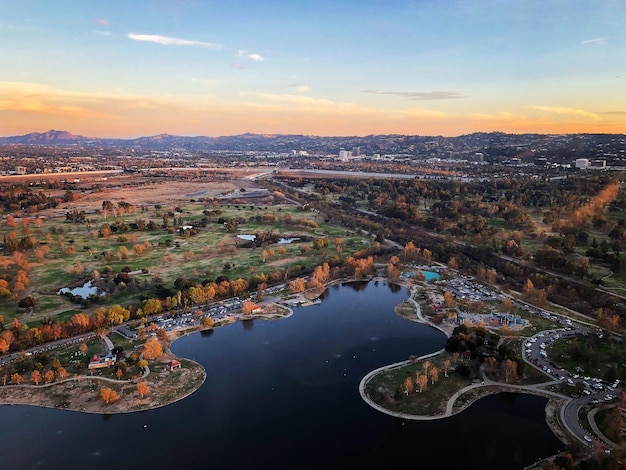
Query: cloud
614, 113
204, 81
299, 87
245, 55
420, 95
168, 41
292, 99
567, 111
596, 41
101, 22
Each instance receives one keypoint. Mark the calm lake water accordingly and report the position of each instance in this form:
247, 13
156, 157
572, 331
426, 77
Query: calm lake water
284, 394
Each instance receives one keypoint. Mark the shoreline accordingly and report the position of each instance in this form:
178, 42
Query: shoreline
555, 402
48, 395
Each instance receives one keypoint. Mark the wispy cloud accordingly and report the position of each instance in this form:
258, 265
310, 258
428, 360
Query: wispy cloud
205, 81
596, 41
420, 95
614, 113
168, 41
299, 87
292, 99
567, 111
101, 22
245, 55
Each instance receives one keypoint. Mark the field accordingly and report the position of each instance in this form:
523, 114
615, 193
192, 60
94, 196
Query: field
159, 232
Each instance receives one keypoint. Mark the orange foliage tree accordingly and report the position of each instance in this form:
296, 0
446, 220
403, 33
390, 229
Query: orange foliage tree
152, 349
142, 389
108, 395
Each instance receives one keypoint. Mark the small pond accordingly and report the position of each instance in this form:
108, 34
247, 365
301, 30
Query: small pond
83, 291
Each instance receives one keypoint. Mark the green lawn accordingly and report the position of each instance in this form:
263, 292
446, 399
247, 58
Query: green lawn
600, 358
385, 389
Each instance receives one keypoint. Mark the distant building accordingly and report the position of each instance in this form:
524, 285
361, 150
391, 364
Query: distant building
20, 170
582, 163
98, 362
344, 155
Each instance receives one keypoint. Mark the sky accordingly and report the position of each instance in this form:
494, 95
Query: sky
121, 68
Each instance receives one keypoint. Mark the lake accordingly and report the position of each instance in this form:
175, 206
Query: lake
284, 394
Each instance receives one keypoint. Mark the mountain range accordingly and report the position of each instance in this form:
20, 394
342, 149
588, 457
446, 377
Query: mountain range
383, 144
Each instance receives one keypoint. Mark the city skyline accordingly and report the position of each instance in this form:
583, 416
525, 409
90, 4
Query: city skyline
317, 68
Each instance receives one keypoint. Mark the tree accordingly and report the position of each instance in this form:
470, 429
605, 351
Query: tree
17, 378
297, 285
108, 395
426, 365
491, 362
142, 389
453, 264
448, 300
422, 382
27, 302
506, 305
152, 349
62, 373
36, 377
408, 385
207, 322
49, 376
119, 373
446, 366
434, 375
247, 307
509, 368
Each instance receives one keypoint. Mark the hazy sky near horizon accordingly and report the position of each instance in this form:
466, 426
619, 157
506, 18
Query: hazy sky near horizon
321, 67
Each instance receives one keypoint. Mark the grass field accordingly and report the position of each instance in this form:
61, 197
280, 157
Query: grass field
68, 254
597, 357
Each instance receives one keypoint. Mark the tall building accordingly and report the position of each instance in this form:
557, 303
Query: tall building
344, 155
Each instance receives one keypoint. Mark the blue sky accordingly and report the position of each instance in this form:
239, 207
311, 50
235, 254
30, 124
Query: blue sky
120, 68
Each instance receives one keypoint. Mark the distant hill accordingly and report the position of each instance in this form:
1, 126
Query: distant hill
493, 143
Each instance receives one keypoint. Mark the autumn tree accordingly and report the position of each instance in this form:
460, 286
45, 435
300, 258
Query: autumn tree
434, 375
61, 373
408, 385
17, 378
453, 264
490, 363
426, 365
446, 366
248, 307
297, 285
506, 305
36, 377
509, 369
119, 373
108, 395
142, 389
207, 322
49, 376
152, 349
448, 300
422, 382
